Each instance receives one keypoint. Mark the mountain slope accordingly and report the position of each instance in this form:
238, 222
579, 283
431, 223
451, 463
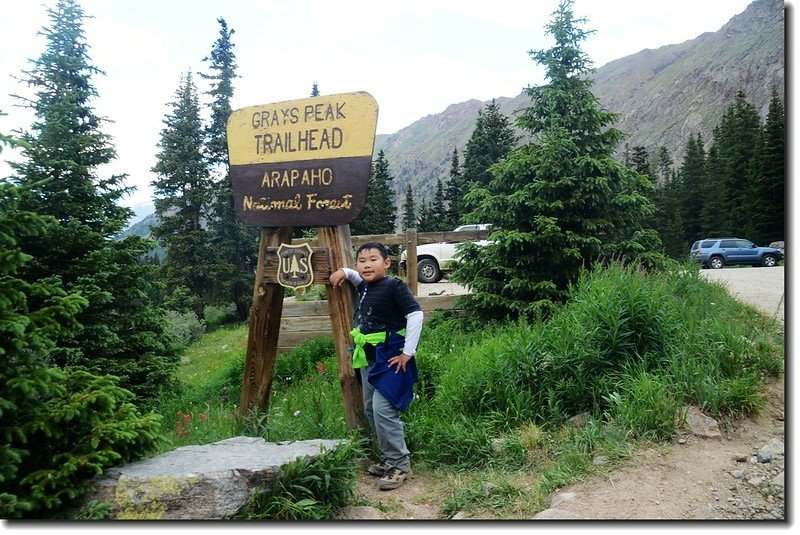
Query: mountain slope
662, 96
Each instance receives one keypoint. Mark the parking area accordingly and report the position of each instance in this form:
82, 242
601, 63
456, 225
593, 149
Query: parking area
763, 288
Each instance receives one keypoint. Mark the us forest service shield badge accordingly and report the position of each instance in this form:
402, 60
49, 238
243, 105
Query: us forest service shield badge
294, 266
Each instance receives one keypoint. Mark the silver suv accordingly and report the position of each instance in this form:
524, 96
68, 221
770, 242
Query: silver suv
718, 252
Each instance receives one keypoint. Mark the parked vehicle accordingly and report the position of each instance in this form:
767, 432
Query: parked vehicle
716, 253
433, 259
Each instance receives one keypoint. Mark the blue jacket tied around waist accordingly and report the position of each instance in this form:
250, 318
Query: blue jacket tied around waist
397, 387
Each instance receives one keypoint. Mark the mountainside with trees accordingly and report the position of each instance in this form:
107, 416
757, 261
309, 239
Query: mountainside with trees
662, 96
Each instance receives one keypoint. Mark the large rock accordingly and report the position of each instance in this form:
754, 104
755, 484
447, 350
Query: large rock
702, 425
213, 481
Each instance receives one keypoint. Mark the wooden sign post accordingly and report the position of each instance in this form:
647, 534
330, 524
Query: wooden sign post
301, 163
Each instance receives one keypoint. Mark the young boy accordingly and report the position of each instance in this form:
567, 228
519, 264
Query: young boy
387, 325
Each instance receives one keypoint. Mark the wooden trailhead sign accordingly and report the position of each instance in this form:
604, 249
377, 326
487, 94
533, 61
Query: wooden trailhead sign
301, 163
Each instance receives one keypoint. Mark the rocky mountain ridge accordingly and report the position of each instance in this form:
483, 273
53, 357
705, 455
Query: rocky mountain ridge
662, 96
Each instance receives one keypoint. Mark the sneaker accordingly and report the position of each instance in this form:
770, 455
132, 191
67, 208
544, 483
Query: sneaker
378, 469
393, 478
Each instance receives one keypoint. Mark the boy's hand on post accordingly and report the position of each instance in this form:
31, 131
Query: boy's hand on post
400, 361
337, 278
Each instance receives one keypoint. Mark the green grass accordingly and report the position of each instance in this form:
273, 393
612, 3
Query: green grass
494, 408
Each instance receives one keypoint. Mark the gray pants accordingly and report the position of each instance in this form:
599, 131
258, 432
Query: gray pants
384, 420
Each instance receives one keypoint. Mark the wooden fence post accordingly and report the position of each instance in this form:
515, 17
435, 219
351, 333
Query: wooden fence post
341, 308
411, 260
265, 323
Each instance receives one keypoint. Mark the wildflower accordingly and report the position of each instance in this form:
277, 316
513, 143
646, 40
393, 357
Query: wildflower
202, 416
296, 414
321, 367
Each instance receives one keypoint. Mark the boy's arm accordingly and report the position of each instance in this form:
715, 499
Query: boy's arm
338, 277
413, 330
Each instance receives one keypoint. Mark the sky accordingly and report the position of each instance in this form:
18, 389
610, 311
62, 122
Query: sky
415, 57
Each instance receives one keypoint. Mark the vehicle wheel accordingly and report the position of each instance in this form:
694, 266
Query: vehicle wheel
769, 260
428, 271
716, 262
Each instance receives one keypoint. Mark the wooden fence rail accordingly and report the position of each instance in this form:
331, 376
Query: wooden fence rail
409, 241
303, 320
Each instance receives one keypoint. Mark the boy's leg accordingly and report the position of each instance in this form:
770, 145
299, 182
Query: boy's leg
366, 391
378, 469
389, 429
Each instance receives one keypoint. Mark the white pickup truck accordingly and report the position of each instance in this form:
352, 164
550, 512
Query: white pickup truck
433, 258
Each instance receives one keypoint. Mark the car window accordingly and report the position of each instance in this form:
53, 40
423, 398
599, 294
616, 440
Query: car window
708, 244
744, 244
695, 245
469, 227
728, 244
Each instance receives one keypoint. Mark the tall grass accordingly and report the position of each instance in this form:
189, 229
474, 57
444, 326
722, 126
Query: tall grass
629, 348
627, 353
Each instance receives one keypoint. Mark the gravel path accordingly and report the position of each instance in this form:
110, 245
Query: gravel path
763, 288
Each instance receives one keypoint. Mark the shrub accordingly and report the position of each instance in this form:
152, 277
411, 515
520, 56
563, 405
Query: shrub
646, 406
218, 315
308, 488
302, 360
81, 425
184, 327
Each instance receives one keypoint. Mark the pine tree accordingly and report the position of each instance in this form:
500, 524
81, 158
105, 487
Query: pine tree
380, 212
409, 211
314, 90
490, 142
438, 212
183, 194
57, 428
713, 219
738, 135
561, 202
769, 179
669, 222
121, 331
692, 179
664, 165
454, 193
426, 220
233, 245
640, 161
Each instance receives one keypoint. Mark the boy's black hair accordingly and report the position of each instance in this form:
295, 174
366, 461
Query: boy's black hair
374, 245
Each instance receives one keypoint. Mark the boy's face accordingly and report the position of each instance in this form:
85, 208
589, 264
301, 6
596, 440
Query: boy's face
371, 265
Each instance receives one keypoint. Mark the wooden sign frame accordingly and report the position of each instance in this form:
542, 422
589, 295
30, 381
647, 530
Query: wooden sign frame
265, 320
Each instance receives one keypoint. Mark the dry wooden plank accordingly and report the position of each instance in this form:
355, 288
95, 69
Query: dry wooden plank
264, 329
306, 323
305, 308
341, 308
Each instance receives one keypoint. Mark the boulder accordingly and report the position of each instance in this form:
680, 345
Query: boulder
702, 425
212, 481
